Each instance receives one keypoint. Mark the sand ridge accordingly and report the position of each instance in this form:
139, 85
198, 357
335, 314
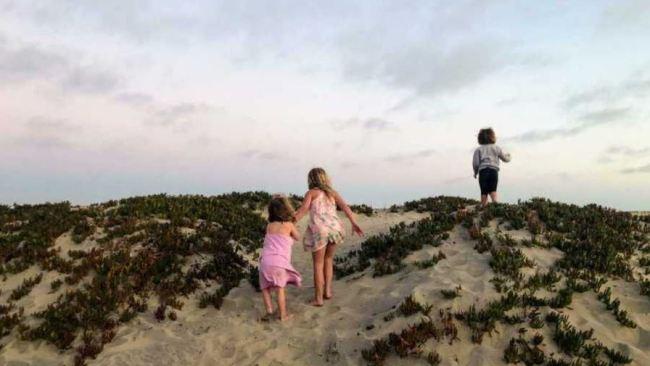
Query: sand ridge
336, 333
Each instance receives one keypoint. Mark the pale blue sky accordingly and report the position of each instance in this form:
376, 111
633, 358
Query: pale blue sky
109, 99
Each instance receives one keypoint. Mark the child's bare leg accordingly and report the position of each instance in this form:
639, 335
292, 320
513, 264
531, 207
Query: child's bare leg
268, 303
282, 304
319, 276
493, 195
484, 200
329, 269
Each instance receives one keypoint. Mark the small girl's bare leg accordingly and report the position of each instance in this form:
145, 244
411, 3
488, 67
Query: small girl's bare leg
484, 200
493, 195
268, 303
282, 304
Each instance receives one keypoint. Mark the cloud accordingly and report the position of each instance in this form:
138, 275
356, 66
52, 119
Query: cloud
615, 153
137, 19
44, 142
47, 124
443, 49
28, 62
368, 124
349, 165
456, 180
604, 116
628, 151
253, 26
635, 87
507, 101
261, 155
89, 80
377, 124
177, 114
626, 15
47, 133
587, 121
424, 70
135, 99
641, 169
409, 157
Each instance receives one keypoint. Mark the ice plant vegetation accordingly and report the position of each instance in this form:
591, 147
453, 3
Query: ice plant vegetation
598, 244
155, 247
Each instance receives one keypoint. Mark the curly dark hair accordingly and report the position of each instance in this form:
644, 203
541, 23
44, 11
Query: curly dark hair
487, 136
280, 209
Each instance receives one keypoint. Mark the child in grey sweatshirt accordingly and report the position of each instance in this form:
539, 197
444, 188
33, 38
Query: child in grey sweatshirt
486, 164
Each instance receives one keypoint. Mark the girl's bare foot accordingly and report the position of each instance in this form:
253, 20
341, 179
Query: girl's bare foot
327, 297
315, 302
286, 317
268, 317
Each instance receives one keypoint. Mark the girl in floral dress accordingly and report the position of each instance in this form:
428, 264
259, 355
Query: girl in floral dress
324, 231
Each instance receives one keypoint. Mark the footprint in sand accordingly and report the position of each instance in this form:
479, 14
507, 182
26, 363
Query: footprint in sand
229, 350
450, 252
476, 271
331, 309
364, 290
17, 363
644, 338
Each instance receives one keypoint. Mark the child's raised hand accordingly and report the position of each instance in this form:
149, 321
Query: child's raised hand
357, 230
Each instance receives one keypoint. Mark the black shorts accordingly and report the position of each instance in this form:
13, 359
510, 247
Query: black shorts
488, 179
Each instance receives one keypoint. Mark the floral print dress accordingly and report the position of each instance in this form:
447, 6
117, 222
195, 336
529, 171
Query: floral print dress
324, 225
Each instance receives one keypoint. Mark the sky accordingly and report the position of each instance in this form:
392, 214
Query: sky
110, 99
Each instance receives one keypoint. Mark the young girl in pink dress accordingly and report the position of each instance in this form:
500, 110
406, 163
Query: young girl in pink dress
275, 266
324, 231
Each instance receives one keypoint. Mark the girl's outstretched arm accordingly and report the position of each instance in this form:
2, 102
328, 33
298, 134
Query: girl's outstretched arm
304, 208
294, 232
348, 212
504, 155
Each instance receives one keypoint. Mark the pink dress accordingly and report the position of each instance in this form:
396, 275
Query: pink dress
324, 224
275, 262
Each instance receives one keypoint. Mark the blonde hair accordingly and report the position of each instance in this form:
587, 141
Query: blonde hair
317, 178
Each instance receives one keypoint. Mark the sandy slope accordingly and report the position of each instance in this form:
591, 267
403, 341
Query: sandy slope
336, 333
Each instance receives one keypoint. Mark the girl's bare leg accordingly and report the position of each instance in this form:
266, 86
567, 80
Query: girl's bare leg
319, 276
268, 303
484, 200
493, 195
329, 269
282, 304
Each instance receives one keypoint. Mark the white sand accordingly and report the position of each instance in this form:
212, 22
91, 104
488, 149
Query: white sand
336, 333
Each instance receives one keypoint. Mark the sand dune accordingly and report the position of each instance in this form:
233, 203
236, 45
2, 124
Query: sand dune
336, 333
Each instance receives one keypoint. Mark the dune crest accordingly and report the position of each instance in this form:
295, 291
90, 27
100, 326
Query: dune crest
435, 281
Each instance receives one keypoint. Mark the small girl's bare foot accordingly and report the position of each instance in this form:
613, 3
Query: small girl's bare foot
268, 317
286, 317
327, 297
315, 302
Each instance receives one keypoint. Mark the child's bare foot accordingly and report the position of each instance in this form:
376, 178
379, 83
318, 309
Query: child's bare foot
327, 297
315, 302
268, 317
286, 317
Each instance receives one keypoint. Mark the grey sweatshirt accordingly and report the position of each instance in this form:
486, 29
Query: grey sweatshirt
487, 156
